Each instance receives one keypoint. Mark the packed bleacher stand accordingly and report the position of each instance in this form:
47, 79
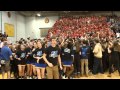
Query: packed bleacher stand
77, 26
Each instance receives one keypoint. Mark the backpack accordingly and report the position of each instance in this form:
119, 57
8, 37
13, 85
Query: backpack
84, 51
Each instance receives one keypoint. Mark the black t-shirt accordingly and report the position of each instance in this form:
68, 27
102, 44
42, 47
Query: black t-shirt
33, 51
13, 57
39, 53
52, 54
67, 54
30, 56
21, 54
13, 54
28, 50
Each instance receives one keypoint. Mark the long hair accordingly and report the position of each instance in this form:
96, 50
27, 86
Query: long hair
13, 48
18, 47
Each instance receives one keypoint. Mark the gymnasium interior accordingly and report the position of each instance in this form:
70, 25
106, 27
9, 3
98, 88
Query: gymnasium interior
38, 25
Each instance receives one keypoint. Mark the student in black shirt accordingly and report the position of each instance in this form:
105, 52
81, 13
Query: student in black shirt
29, 60
119, 53
40, 65
76, 62
52, 58
33, 60
110, 59
105, 55
115, 56
14, 64
67, 56
91, 56
21, 57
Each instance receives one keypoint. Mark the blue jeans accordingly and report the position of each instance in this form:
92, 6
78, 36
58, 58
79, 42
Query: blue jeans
97, 66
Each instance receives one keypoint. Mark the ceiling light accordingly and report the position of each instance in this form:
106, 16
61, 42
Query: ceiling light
38, 14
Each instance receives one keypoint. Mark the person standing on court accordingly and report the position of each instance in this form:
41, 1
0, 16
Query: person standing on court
6, 56
52, 58
97, 57
85, 51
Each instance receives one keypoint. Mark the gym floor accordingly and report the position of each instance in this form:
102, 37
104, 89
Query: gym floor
115, 75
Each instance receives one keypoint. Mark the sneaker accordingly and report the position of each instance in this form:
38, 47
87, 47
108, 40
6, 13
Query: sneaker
70, 77
30, 78
64, 77
35, 77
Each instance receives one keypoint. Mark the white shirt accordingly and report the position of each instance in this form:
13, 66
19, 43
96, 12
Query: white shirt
118, 34
1, 44
98, 50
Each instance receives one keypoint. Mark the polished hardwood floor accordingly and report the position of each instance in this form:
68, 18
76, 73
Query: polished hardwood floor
115, 75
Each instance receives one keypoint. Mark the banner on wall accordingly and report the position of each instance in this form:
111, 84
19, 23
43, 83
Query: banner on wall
44, 31
9, 29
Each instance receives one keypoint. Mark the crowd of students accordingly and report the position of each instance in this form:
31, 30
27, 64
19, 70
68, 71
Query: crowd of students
60, 58
79, 26
74, 47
